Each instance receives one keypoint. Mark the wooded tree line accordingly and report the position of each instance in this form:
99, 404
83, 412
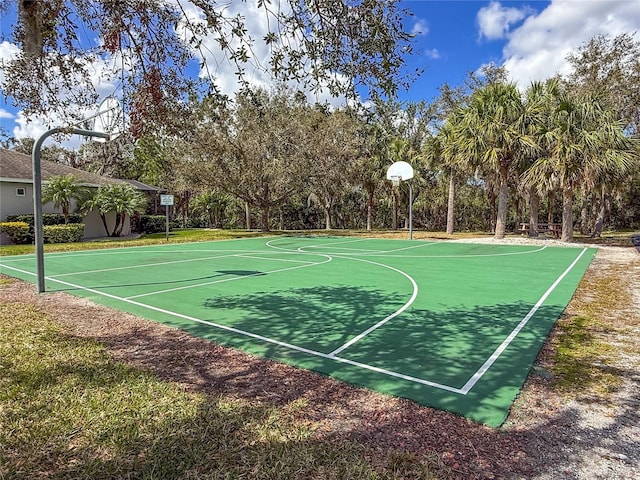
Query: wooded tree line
509, 149
487, 156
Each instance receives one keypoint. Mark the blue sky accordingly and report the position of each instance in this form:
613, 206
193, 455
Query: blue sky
530, 38
448, 44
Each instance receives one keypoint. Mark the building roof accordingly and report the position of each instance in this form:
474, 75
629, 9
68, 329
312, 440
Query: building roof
143, 186
17, 167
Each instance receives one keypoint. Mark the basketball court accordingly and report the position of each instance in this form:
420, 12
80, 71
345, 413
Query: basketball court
455, 326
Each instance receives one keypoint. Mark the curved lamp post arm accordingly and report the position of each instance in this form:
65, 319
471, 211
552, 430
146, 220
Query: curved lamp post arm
37, 194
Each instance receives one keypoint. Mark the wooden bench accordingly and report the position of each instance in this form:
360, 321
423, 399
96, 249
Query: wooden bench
554, 229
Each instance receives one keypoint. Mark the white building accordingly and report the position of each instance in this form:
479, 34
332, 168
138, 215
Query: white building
16, 191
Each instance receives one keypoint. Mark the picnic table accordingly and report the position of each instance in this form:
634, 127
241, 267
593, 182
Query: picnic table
554, 229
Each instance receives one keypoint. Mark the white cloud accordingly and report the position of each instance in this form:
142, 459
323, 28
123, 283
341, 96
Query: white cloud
5, 114
433, 53
494, 21
8, 51
421, 27
33, 128
537, 50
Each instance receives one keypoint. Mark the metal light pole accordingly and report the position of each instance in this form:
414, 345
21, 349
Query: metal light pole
37, 194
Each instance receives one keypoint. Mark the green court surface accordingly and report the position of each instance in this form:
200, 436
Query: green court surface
455, 326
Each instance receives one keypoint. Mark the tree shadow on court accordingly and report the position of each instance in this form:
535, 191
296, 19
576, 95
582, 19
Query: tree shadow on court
319, 318
442, 346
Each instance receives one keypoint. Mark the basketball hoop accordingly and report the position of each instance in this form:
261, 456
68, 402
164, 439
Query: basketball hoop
109, 119
401, 172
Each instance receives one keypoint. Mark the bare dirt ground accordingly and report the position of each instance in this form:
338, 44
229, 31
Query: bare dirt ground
547, 436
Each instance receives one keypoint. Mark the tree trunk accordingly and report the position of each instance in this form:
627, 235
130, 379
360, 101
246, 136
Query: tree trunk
550, 200
103, 217
584, 213
450, 202
501, 217
265, 218
370, 211
567, 214
534, 207
31, 18
492, 210
327, 217
247, 215
185, 209
118, 231
394, 213
597, 228
599, 223
115, 227
281, 214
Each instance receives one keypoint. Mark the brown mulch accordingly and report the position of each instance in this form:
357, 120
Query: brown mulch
538, 440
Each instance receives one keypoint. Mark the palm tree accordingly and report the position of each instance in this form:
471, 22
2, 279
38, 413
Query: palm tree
585, 142
540, 99
212, 206
442, 151
492, 135
122, 199
62, 190
369, 169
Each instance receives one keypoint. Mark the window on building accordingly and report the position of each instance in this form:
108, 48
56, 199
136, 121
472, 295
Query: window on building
20, 192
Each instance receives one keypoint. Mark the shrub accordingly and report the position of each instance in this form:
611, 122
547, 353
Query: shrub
58, 218
18, 232
153, 223
47, 218
72, 232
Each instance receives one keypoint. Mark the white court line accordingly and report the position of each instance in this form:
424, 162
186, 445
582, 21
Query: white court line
223, 254
369, 252
146, 265
491, 360
364, 251
462, 391
292, 250
232, 279
414, 246
459, 256
253, 335
158, 248
384, 320
240, 255
337, 242
386, 253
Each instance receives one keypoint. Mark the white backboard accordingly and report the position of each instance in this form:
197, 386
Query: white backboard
400, 169
110, 119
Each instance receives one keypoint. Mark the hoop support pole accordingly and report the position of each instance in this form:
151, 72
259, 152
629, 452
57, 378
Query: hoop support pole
410, 212
37, 194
